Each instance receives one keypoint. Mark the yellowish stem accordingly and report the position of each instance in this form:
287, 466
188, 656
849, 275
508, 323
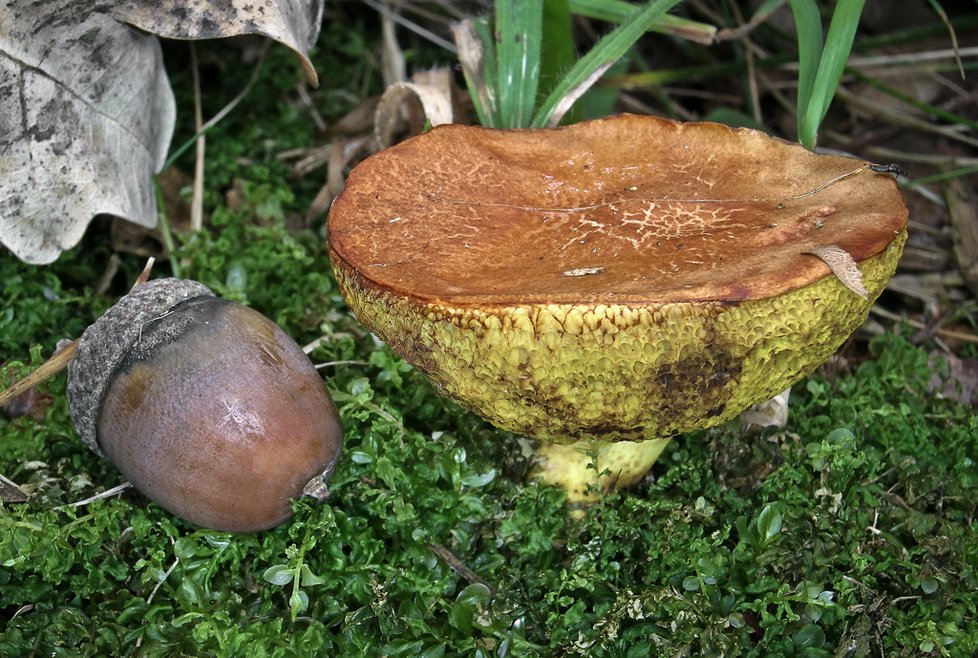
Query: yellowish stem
606, 466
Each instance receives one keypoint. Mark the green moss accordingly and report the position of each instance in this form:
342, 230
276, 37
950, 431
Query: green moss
854, 528
852, 533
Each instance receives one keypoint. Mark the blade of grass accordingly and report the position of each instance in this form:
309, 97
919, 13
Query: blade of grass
939, 10
600, 100
606, 52
943, 176
808, 28
557, 49
838, 44
617, 11
519, 30
644, 79
932, 110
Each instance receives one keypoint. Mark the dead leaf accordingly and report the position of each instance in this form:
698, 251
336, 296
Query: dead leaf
86, 110
294, 23
960, 382
843, 266
10, 492
341, 153
32, 403
431, 90
86, 115
961, 206
770, 413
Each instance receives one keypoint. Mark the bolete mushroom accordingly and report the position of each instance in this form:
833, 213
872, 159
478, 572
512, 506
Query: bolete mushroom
606, 286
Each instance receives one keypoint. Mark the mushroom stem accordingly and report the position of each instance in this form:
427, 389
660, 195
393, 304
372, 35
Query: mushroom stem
587, 467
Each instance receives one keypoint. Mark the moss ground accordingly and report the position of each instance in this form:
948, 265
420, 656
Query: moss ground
850, 533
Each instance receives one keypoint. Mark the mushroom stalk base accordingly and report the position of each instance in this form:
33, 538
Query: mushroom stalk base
586, 468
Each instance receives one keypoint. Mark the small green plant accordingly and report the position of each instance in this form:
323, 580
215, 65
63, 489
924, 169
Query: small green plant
295, 572
503, 61
820, 65
521, 71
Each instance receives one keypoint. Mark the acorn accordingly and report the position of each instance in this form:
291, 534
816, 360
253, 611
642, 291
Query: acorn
206, 406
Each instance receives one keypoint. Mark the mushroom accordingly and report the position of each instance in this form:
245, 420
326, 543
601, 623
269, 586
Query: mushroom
606, 286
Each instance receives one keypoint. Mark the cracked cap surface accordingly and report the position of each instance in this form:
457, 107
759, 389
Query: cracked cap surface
624, 209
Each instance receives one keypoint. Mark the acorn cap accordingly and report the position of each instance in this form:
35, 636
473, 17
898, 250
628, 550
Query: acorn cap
625, 278
104, 343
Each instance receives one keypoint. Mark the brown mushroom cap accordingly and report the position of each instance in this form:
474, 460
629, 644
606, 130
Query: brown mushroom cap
626, 278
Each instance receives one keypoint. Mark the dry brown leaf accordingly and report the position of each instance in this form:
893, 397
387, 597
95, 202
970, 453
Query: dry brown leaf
961, 206
341, 153
959, 382
10, 492
843, 266
432, 90
770, 413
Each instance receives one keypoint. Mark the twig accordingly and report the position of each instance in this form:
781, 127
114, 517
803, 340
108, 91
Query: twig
884, 153
10, 491
144, 275
60, 360
149, 599
896, 117
458, 566
197, 198
348, 362
916, 324
411, 25
45, 371
214, 120
108, 493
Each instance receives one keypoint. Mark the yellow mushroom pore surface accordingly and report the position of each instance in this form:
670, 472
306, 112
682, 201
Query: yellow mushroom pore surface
607, 294
563, 372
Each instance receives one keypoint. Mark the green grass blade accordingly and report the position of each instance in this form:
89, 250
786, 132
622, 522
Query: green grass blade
766, 8
835, 54
932, 110
519, 30
606, 52
942, 176
617, 11
808, 26
483, 29
557, 51
612, 11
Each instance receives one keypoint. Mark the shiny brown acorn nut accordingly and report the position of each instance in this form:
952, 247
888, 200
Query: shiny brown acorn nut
206, 406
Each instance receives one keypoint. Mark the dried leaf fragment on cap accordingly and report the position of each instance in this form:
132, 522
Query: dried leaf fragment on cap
843, 266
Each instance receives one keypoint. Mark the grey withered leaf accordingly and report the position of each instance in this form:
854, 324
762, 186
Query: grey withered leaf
86, 110
294, 23
86, 115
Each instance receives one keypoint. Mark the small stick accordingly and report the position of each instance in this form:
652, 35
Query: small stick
10, 492
144, 275
57, 363
458, 566
44, 372
108, 493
